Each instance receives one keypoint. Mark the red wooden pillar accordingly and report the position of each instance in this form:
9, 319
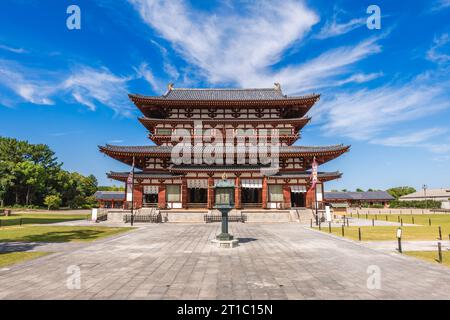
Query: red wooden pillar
184, 193
162, 196
137, 196
210, 192
264, 193
310, 197
237, 193
286, 196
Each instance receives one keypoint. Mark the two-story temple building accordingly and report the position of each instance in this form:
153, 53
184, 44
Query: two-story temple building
184, 124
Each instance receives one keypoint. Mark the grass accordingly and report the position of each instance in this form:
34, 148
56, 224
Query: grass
430, 256
39, 218
9, 258
421, 230
419, 219
29, 233
370, 233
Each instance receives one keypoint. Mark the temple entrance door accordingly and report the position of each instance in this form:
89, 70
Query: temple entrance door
198, 197
298, 199
150, 200
251, 197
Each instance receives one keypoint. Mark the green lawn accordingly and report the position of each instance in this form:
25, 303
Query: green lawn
10, 258
421, 230
419, 219
39, 218
431, 256
29, 233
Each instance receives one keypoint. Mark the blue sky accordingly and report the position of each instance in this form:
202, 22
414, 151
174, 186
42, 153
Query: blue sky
385, 92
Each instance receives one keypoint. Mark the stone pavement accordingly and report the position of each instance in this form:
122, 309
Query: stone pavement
176, 261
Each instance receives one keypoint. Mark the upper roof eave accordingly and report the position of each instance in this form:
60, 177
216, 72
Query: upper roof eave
160, 150
306, 100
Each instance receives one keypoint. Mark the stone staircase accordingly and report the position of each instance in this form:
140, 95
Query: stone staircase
301, 215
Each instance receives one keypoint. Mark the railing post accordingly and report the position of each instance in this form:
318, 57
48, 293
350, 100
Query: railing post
439, 252
359, 234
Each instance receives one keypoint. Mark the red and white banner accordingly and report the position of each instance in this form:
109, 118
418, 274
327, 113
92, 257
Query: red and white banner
130, 184
314, 174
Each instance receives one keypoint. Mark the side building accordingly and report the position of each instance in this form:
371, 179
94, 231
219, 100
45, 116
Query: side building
190, 124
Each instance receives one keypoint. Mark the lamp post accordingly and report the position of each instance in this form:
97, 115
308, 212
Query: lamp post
425, 187
224, 192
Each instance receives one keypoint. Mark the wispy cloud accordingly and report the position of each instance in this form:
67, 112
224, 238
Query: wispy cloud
415, 138
364, 114
86, 85
24, 83
143, 71
12, 49
66, 133
89, 86
241, 49
334, 28
437, 51
440, 5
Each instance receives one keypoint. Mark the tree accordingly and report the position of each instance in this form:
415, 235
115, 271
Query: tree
30, 172
53, 201
116, 188
6, 180
397, 192
359, 190
32, 176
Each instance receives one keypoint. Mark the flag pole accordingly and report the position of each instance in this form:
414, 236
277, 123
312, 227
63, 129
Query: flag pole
132, 193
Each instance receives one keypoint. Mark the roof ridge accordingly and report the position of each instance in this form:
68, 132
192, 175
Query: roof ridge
225, 89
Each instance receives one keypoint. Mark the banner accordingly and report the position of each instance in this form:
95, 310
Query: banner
314, 174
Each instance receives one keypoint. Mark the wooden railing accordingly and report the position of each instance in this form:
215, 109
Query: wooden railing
218, 218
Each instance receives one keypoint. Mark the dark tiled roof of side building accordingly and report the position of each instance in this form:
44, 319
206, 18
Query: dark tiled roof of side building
110, 195
368, 196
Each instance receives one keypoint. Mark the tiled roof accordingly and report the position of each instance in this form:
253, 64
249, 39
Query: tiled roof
429, 193
109, 195
242, 167
156, 175
306, 174
216, 94
143, 175
370, 195
168, 149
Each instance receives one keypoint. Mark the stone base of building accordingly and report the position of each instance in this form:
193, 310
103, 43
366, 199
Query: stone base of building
228, 244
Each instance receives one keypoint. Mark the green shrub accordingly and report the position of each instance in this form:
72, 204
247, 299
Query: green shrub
53, 201
428, 204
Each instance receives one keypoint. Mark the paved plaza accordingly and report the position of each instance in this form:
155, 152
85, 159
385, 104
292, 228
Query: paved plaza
177, 261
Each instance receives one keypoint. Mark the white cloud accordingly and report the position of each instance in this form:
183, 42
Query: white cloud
11, 49
440, 5
333, 28
88, 86
440, 44
22, 82
229, 47
415, 138
365, 114
144, 72
232, 48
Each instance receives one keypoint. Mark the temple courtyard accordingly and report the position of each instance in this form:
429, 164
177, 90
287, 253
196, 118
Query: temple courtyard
177, 261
